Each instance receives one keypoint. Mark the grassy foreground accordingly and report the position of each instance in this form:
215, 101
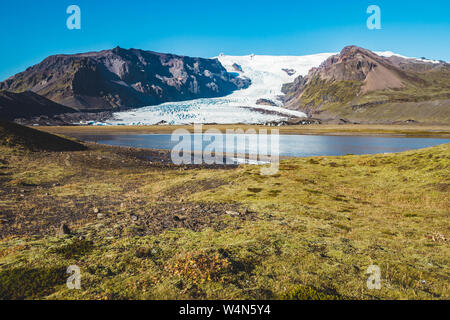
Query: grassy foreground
148, 230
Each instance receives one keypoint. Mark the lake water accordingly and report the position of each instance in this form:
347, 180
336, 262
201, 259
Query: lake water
289, 145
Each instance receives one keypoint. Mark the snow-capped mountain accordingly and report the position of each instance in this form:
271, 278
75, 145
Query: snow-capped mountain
258, 104
267, 74
358, 85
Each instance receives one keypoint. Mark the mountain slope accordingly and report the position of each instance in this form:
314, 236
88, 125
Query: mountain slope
15, 135
28, 104
362, 86
120, 79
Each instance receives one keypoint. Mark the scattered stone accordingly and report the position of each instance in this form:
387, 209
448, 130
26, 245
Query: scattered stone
96, 210
266, 102
245, 211
100, 215
237, 67
133, 217
436, 237
63, 230
179, 217
232, 213
290, 72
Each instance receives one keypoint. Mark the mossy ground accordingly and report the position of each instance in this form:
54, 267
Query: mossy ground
309, 232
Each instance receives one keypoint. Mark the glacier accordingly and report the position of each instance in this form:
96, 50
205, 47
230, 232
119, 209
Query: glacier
267, 73
267, 76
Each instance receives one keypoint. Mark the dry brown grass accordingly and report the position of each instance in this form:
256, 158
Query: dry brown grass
348, 129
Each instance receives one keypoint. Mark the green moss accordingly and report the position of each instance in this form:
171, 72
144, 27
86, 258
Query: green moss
320, 91
75, 249
310, 293
324, 236
25, 283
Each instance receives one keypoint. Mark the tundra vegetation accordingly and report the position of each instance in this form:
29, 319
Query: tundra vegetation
141, 228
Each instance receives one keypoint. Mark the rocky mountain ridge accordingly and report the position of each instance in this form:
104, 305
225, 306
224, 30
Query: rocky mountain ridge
362, 86
122, 79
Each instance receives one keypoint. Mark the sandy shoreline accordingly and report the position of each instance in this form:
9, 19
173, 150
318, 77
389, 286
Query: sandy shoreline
353, 130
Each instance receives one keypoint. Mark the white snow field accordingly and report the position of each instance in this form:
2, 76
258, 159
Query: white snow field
267, 76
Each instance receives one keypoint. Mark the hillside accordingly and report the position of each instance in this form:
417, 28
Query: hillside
361, 86
161, 231
120, 79
28, 104
18, 136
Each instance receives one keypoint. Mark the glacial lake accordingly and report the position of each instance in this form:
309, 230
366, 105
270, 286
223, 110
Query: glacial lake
289, 145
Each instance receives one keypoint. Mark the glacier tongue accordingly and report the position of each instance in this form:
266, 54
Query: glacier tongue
267, 76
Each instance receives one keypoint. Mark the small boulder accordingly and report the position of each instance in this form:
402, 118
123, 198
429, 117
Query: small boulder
179, 217
63, 230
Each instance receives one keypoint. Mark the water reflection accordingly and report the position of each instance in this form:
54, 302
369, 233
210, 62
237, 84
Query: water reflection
290, 145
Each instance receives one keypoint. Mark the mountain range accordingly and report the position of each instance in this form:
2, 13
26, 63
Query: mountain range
360, 85
355, 85
122, 79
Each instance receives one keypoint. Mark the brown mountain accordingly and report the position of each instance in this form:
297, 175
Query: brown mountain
28, 104
119, 79
361, 86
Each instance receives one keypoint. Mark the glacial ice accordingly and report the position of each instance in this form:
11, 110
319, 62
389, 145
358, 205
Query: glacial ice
267, 76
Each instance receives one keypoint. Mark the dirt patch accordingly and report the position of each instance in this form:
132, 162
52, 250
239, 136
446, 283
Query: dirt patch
174, 215
443, 187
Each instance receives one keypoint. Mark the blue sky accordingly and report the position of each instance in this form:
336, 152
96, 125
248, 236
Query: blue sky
31, 30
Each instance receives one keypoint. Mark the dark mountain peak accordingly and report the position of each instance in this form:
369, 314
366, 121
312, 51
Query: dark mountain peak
124, 78
354, 63
351, 51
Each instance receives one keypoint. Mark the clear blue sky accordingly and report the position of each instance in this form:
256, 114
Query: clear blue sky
31, 30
